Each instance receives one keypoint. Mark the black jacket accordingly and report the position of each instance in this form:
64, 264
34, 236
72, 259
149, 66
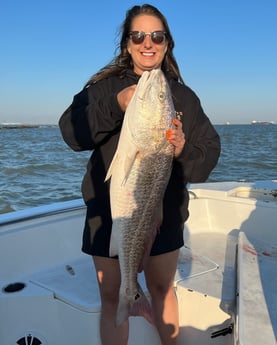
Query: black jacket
93, 122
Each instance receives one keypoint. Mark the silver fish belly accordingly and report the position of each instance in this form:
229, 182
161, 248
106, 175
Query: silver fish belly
139, 173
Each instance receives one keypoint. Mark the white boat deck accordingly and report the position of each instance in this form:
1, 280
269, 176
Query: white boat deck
219, 283
257, 291
75, 281
74, 284
226, 276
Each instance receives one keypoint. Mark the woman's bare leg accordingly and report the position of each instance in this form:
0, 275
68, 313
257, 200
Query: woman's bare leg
108, 275
160, 271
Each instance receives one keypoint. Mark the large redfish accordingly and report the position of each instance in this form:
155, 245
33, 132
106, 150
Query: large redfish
139, 173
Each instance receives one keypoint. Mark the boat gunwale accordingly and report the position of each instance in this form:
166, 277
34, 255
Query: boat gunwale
40, 212
196, 192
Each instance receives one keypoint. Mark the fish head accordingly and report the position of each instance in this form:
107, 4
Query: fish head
152, 111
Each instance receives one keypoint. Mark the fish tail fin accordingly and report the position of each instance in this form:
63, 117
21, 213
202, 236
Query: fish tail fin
140, 306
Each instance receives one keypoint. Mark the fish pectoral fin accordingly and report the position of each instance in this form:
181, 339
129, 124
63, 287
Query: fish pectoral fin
128, 164
126, 159
113, 163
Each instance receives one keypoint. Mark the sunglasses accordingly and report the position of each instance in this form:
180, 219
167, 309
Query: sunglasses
138, 37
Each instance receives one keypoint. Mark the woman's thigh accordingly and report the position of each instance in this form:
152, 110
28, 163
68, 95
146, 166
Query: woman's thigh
160, 271
108, 276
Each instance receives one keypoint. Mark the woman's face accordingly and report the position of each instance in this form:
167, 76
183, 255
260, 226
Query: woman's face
147, 55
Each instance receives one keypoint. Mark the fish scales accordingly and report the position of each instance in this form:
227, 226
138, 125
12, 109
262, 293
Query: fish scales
139, 173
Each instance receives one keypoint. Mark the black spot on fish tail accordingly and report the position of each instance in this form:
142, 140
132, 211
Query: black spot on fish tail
137, 296
142, 307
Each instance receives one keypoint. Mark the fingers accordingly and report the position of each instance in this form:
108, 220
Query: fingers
176, 136
125, 95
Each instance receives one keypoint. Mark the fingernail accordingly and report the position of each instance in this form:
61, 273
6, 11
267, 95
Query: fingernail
168, 134
175, 121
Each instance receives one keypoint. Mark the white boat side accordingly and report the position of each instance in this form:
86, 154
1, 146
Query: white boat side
49, 294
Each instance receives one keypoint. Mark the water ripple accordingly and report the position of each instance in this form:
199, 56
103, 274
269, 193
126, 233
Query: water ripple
36, 166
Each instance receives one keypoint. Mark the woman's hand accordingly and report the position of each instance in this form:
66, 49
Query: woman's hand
125, 95
176, 137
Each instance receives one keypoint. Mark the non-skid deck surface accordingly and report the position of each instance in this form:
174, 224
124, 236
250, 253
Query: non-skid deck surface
219, 283
75, 282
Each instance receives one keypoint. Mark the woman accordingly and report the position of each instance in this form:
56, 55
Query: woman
93, 122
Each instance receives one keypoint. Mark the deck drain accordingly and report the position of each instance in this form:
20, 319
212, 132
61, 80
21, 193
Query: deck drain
31, 339
14, 287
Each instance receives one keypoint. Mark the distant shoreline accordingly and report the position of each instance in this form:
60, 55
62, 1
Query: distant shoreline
17, 126
4, 125
22, 126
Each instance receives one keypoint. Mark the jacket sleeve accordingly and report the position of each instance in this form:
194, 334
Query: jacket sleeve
92, 117
202, 147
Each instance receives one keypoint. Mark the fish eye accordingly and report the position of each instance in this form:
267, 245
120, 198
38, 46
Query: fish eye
161, 96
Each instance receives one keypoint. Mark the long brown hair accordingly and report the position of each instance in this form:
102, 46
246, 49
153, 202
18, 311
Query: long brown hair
123, 61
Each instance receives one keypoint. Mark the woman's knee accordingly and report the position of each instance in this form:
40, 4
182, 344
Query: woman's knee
160, 274
160, 290
109, 301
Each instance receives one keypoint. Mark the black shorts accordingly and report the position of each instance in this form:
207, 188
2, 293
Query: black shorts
98, 225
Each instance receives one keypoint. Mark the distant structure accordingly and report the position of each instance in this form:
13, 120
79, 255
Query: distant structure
254, 122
